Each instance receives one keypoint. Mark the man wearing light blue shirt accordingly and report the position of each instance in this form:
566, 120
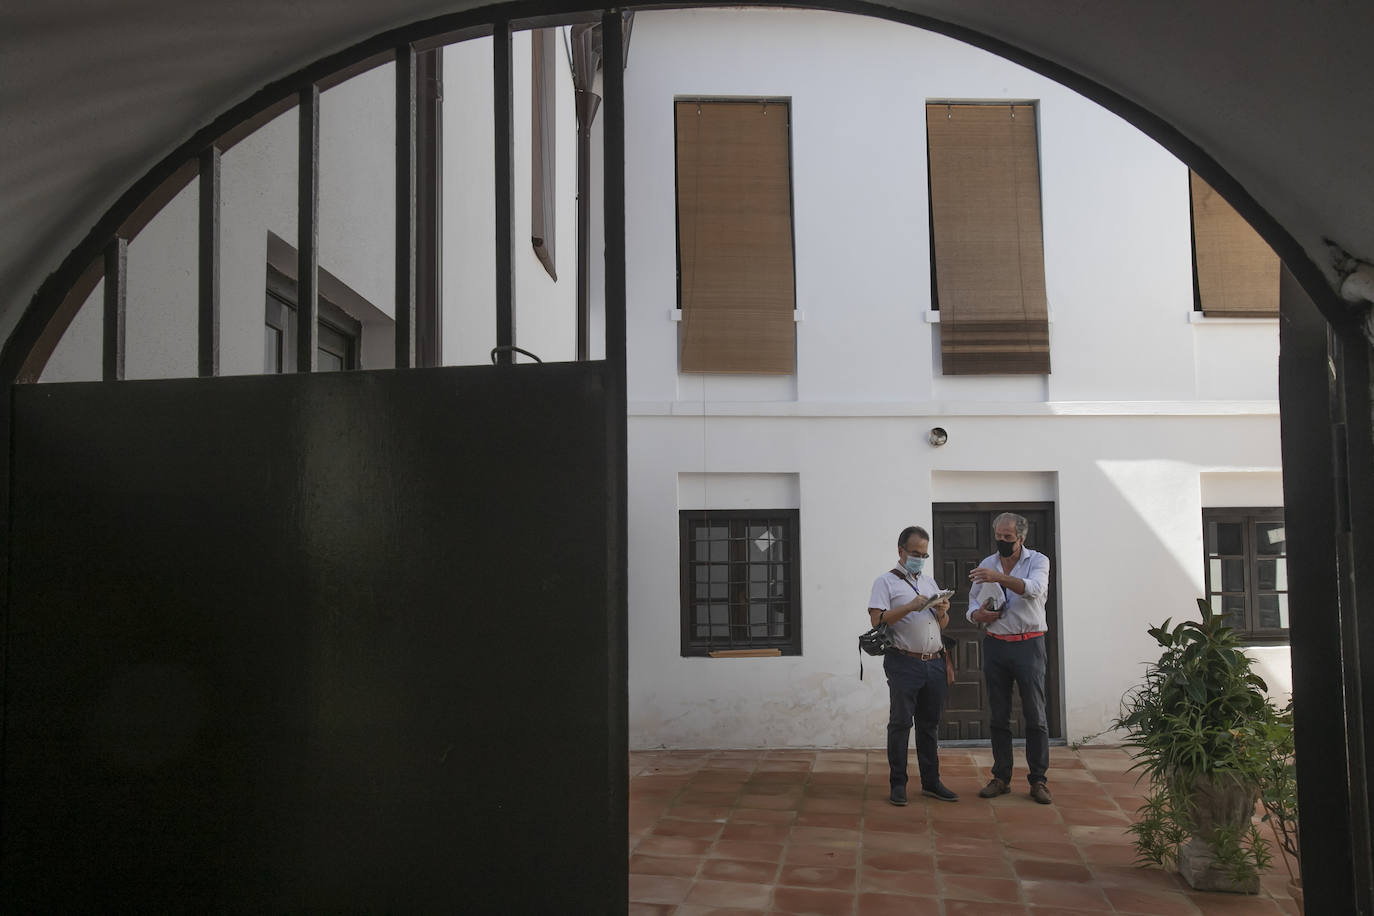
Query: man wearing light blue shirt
1014, 650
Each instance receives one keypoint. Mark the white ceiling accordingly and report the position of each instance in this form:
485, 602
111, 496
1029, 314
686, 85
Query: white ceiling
94, 92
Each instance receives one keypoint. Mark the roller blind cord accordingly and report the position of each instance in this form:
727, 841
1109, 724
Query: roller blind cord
1020, 234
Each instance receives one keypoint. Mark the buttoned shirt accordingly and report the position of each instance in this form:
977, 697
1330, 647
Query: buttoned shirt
918, 631
1021, 613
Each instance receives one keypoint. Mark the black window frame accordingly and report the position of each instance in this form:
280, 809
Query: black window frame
738, 522
1249, 518
341, 335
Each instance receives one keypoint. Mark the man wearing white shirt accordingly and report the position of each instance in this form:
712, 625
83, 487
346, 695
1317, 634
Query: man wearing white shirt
1014, 651
915, 666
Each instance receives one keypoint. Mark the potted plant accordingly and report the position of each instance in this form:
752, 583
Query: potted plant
1204, 733
1279, 796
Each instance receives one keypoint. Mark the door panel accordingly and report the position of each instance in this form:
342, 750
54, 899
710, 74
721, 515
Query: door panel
335, 642
962, 539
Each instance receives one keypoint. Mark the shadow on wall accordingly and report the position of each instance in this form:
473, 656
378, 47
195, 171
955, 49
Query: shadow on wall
1159, 576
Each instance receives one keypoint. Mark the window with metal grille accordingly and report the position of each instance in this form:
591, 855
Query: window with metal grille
740, 581
1247, 570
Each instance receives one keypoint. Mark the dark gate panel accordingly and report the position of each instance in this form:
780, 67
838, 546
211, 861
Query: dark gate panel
329, 642
961, 540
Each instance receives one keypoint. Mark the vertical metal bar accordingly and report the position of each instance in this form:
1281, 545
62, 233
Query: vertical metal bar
613, 193
116, 295
1356, 498
584, 230
207, 328
503, 101
613, 201
406, 162
429, 183
308, 232
1305, 403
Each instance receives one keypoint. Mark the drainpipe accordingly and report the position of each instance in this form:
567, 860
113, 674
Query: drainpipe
585, 59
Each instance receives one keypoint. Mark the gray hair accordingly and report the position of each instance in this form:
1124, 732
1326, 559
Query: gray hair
1021, 524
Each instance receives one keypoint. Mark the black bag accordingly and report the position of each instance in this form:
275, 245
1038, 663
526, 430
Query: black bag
876, 641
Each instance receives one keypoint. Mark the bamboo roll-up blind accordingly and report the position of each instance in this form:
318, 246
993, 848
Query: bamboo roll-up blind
1237, 272
989, 252
734, 203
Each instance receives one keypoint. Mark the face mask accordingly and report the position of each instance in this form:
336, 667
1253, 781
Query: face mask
914, 565
1006, 548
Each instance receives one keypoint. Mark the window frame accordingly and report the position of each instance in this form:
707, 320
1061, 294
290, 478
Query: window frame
1249, 517
281, 299
692, 646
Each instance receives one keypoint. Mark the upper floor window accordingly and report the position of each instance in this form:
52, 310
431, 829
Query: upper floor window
1247, 570
740, 581
1235, 272
736, 285
988, 250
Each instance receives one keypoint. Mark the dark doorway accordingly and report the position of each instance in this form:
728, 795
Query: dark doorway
962, 538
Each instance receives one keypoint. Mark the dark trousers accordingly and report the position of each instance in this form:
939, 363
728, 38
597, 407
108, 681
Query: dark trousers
916, 690
1023, 664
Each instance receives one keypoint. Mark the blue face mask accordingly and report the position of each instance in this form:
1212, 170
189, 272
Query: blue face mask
915, 565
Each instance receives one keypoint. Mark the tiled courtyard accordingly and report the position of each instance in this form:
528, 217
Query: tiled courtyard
783, 831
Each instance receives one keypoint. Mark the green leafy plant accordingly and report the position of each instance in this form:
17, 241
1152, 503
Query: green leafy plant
1279, 787
1201, 726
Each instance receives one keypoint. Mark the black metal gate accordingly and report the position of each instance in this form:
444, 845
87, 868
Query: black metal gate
332, 642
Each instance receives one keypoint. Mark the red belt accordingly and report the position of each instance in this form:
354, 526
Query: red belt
1015, 637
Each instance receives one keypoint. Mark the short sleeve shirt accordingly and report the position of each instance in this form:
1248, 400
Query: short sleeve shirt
918, 631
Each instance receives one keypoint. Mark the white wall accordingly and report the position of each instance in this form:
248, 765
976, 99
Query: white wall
545, 309
1144, 403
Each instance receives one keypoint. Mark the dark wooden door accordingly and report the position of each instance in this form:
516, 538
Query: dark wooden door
961, 540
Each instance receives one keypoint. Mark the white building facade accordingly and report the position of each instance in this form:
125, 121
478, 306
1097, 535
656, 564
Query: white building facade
1150, 414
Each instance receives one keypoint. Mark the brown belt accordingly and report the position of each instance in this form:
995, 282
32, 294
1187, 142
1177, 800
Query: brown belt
923, 656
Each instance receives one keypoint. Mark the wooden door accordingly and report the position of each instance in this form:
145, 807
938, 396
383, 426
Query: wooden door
961, 539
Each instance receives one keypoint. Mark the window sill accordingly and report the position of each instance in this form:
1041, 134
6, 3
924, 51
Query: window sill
762, 652
797, 315
1196, 317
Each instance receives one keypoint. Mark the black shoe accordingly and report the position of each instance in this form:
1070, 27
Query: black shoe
994, 788
898, 796
1041, 793
940, 791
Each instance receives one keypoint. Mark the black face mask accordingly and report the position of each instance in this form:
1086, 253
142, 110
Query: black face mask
1006, 548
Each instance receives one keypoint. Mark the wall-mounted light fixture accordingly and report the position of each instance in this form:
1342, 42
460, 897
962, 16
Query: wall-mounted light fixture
938, 436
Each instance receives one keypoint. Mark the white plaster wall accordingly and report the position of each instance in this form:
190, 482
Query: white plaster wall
545, 309
76, 358
1143, 406
1128, 496
1115, 215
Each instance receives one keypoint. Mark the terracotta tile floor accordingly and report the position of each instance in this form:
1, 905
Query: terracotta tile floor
800, 831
